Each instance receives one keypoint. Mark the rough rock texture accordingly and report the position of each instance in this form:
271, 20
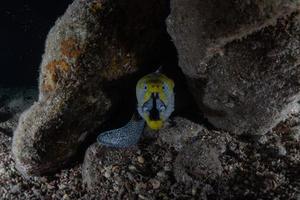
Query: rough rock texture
201, 159
110, 158
89, 54
181, 133
150, 170
208, 164
199, 150
143, 172
241, 59
158, 165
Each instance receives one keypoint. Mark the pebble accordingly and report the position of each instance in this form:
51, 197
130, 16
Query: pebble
130, 176
281, 150
116, 188
167, 168
36, 192
194, 191
50, 187
168, 157
118, 180
155, 183
116, 169
62, 186
107, 174
2, 170
66, 197
142, 197
140, 186
132, 168
141, 159
161, 174
263, 139
295, 134
15, 189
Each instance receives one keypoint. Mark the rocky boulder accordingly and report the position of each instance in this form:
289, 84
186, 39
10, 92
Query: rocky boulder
241, 59
160, 163
89, 55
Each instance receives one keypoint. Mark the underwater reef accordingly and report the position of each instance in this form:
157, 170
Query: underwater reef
235, 130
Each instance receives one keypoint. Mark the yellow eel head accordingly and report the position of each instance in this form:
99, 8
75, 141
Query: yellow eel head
155, 97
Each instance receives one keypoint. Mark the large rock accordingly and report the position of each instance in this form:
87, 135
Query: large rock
181, 134
99, 162
89, 55
202, 158
139, 171
241, 59
200, 152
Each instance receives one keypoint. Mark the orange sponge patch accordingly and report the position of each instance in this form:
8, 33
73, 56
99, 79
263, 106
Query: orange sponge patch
53, 70
96, 6
70, 48
119, 66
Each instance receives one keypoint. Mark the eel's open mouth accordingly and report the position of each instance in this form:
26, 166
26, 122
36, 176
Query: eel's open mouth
154, 113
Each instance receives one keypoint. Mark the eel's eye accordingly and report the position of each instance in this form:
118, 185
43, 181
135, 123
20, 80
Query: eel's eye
162, 108
164, 87
145, 109
145, 87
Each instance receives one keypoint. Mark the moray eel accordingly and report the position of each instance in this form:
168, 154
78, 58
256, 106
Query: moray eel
155, 103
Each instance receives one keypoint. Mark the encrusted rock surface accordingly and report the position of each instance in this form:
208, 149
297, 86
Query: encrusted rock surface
180, 133
202, 159
208, 164
95, 169
241, 59
89, 55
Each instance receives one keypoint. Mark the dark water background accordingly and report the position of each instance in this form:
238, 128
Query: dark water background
23, 30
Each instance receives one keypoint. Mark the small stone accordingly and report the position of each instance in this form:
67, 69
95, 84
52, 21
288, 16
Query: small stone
15, 189
169, 157
130, 176
161, 174
142, 197
167, 168
263, 139
107, 174
118, 180
66, 197
141, 159
295, 134
115, 169
43, 179
116, 188
140, 186
132, 168
62, 187
155, 183
2, 170
194, 191
281, 150
36, 192
50, 187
